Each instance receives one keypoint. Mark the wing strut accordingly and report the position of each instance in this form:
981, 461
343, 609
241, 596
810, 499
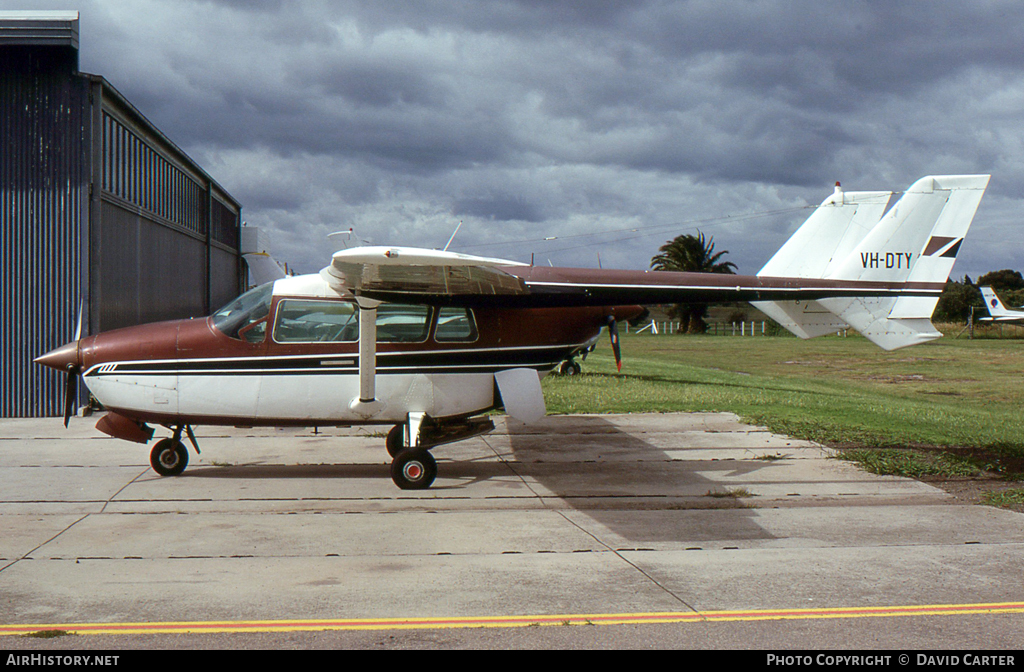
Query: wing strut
367, 404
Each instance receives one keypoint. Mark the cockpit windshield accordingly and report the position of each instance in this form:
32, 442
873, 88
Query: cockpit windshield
250, 307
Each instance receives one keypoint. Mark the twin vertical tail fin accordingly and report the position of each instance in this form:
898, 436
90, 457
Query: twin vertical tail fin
908, 253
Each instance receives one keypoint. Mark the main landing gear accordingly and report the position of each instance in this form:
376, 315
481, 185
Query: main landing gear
169, 457
409, 444
414, 469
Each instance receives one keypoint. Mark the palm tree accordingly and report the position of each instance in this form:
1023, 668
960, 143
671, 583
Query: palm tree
692, 254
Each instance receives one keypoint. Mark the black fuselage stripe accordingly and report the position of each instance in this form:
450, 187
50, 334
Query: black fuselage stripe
335, 371
387, 363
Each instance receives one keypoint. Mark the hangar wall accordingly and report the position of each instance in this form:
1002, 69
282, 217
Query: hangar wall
167, 245
100, 213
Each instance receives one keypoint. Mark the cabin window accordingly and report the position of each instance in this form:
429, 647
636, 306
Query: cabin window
316, 321
246, 310
402, 323
455, 324
303, 321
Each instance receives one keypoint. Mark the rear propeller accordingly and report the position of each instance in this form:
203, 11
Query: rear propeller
613, 332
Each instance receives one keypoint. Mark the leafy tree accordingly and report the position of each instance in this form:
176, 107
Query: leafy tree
956, 301
1005, 280
695, 254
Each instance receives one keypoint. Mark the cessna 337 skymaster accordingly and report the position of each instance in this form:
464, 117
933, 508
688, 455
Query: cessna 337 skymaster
428, 341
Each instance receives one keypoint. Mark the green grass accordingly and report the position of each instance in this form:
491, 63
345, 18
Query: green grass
912, 463
841, 391
1006, 499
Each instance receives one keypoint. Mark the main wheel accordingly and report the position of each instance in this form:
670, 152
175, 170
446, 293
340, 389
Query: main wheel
395, 442
413, 470
570, 368
169, 457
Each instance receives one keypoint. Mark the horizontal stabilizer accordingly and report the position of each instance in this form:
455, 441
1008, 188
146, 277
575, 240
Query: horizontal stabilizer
871, 318
805, 319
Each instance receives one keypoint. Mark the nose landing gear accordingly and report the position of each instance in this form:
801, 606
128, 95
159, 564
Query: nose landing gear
169, 457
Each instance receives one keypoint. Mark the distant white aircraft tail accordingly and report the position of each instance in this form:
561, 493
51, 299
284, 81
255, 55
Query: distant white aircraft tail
996, 309
995, 306
847, 238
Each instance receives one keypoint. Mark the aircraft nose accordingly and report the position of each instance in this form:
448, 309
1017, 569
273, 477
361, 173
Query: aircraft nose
61, 358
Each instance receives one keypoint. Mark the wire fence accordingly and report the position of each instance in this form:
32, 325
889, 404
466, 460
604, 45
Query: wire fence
743, 328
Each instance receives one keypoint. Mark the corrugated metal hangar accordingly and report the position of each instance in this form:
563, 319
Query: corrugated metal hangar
100, 213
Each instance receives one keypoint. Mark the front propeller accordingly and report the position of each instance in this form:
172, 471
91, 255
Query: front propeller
67, 358
70, 392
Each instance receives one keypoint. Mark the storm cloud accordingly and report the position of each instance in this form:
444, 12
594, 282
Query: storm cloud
572, 129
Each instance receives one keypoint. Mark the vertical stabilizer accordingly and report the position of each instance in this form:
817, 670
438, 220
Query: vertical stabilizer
916, 244
910, 250
829, 234
823, 241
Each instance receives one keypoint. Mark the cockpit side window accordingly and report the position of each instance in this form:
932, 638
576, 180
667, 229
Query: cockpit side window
301, 321
247, 309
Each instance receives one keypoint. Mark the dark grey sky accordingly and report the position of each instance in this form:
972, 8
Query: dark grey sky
529, 119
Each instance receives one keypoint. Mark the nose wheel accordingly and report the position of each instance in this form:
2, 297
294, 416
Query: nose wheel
413, 469
168, 457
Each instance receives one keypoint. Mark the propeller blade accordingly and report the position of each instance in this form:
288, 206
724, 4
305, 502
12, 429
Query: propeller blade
78, 328
613, 332
70, 393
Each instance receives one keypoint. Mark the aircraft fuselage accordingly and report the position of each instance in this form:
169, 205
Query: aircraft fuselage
273, 373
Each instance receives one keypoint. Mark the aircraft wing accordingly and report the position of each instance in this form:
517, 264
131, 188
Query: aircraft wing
413, 275
410, 275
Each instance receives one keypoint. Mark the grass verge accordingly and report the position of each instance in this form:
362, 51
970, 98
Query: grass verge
945, 409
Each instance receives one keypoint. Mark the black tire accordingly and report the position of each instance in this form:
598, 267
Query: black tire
169, 457
413, 470
395, 443
570, 368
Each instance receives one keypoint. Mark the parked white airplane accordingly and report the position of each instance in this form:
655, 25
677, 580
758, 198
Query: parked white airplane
428, 341
997, 312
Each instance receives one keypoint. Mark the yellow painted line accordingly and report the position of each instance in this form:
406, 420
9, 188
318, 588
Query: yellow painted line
514, 621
